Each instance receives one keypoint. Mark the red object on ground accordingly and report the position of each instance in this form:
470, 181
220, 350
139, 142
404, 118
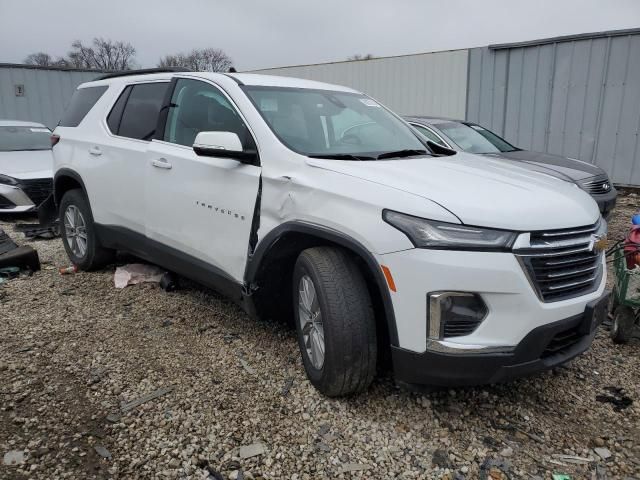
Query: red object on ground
632, 247
68, 270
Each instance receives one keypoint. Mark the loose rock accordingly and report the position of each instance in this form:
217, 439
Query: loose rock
603, 453
253, 450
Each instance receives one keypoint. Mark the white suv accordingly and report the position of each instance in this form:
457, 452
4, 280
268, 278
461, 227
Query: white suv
313, 202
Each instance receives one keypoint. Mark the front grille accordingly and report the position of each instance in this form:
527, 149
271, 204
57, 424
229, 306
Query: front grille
37, 189
6, 203
562, 342
596, 185
562, 264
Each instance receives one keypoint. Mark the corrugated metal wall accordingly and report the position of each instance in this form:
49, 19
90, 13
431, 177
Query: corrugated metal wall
46, 93
428, 83
574, 97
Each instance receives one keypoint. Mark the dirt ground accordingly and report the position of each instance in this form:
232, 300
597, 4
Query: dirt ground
236, 403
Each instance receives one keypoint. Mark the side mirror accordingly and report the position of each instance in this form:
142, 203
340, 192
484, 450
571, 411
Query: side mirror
223, 144
440, 149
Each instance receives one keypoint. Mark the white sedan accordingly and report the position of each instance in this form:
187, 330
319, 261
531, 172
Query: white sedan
26, 165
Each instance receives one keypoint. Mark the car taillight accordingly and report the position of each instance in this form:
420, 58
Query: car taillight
54, 140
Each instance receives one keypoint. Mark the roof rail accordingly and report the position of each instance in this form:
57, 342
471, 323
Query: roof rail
144, 71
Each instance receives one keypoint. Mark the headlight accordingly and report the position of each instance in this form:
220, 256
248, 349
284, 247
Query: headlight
432, 234
8, 180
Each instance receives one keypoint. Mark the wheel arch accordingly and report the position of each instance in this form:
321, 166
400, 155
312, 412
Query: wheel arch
64, 180
276, 253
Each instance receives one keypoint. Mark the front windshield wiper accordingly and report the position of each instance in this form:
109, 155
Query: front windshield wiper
401, 153
340, 156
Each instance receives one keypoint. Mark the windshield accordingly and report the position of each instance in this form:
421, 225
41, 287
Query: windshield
24, 138
333, 124
474, 139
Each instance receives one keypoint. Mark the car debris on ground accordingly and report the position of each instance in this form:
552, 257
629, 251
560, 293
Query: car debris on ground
134, 273
12, 255
38, 231
126, 406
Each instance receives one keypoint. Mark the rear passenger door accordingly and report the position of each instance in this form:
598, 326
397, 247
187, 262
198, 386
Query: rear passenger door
201, 208
120, 162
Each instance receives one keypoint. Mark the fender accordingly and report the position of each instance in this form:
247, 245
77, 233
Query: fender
67, 172
334, 236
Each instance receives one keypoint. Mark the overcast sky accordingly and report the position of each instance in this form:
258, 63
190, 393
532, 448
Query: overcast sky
269, 33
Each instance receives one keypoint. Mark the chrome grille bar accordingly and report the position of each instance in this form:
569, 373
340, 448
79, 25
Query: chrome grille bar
561, 264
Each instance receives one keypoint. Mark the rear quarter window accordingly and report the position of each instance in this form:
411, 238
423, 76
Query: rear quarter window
82, 101
140, 113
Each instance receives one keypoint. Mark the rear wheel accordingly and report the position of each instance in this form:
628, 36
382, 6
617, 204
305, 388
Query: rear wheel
78, 233
624, 320
334, 321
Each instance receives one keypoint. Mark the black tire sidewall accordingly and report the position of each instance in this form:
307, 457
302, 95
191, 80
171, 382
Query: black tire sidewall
623, 324
304, 267
77, 199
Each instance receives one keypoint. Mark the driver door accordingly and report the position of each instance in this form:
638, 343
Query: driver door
200, 207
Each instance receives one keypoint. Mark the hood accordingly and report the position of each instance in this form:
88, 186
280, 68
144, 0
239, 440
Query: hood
25, 165
574, 169
493, 193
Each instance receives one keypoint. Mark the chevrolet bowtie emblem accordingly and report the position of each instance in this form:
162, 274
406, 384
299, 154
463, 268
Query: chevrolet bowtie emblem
599, 244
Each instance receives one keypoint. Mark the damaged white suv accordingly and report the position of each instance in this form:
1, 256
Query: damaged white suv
313, 202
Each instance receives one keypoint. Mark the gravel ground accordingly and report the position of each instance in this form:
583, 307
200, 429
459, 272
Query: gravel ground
74, 349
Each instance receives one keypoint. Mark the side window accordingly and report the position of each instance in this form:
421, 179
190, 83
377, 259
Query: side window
200, 107
115, 115
428, 134
140, 114
82, 101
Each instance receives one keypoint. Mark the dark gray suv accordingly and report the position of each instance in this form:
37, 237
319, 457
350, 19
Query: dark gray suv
472, 138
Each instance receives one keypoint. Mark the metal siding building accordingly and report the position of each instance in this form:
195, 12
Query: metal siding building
426, 83
577, 96
38, 94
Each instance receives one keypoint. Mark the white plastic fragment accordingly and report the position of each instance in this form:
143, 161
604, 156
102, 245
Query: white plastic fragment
13, 457
134, 273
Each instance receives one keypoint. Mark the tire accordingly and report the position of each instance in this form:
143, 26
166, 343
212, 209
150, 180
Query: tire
77, 229
624, 320
347, 322
613, 302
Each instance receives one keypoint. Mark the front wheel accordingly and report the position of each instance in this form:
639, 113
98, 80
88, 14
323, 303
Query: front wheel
624, 320
334, 321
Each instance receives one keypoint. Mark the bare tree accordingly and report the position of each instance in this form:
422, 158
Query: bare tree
199, 60
102, 55
39, 58
357, 56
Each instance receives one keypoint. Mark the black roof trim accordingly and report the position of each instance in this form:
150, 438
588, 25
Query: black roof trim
144, 71
234, 79
566, 38
54, 68
427, 118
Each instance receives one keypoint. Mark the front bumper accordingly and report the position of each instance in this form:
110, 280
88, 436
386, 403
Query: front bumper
544, 347
24, 197
606, 202
514, 309
13, 199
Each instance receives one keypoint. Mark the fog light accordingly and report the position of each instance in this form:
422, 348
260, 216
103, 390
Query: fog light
453, 314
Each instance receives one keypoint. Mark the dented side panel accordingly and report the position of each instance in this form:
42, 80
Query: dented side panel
352, 206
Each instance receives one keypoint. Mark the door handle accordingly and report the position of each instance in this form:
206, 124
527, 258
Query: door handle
161, 163
95, 151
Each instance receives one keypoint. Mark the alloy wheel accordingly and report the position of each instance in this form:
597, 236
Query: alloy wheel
75, 230
310, 318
